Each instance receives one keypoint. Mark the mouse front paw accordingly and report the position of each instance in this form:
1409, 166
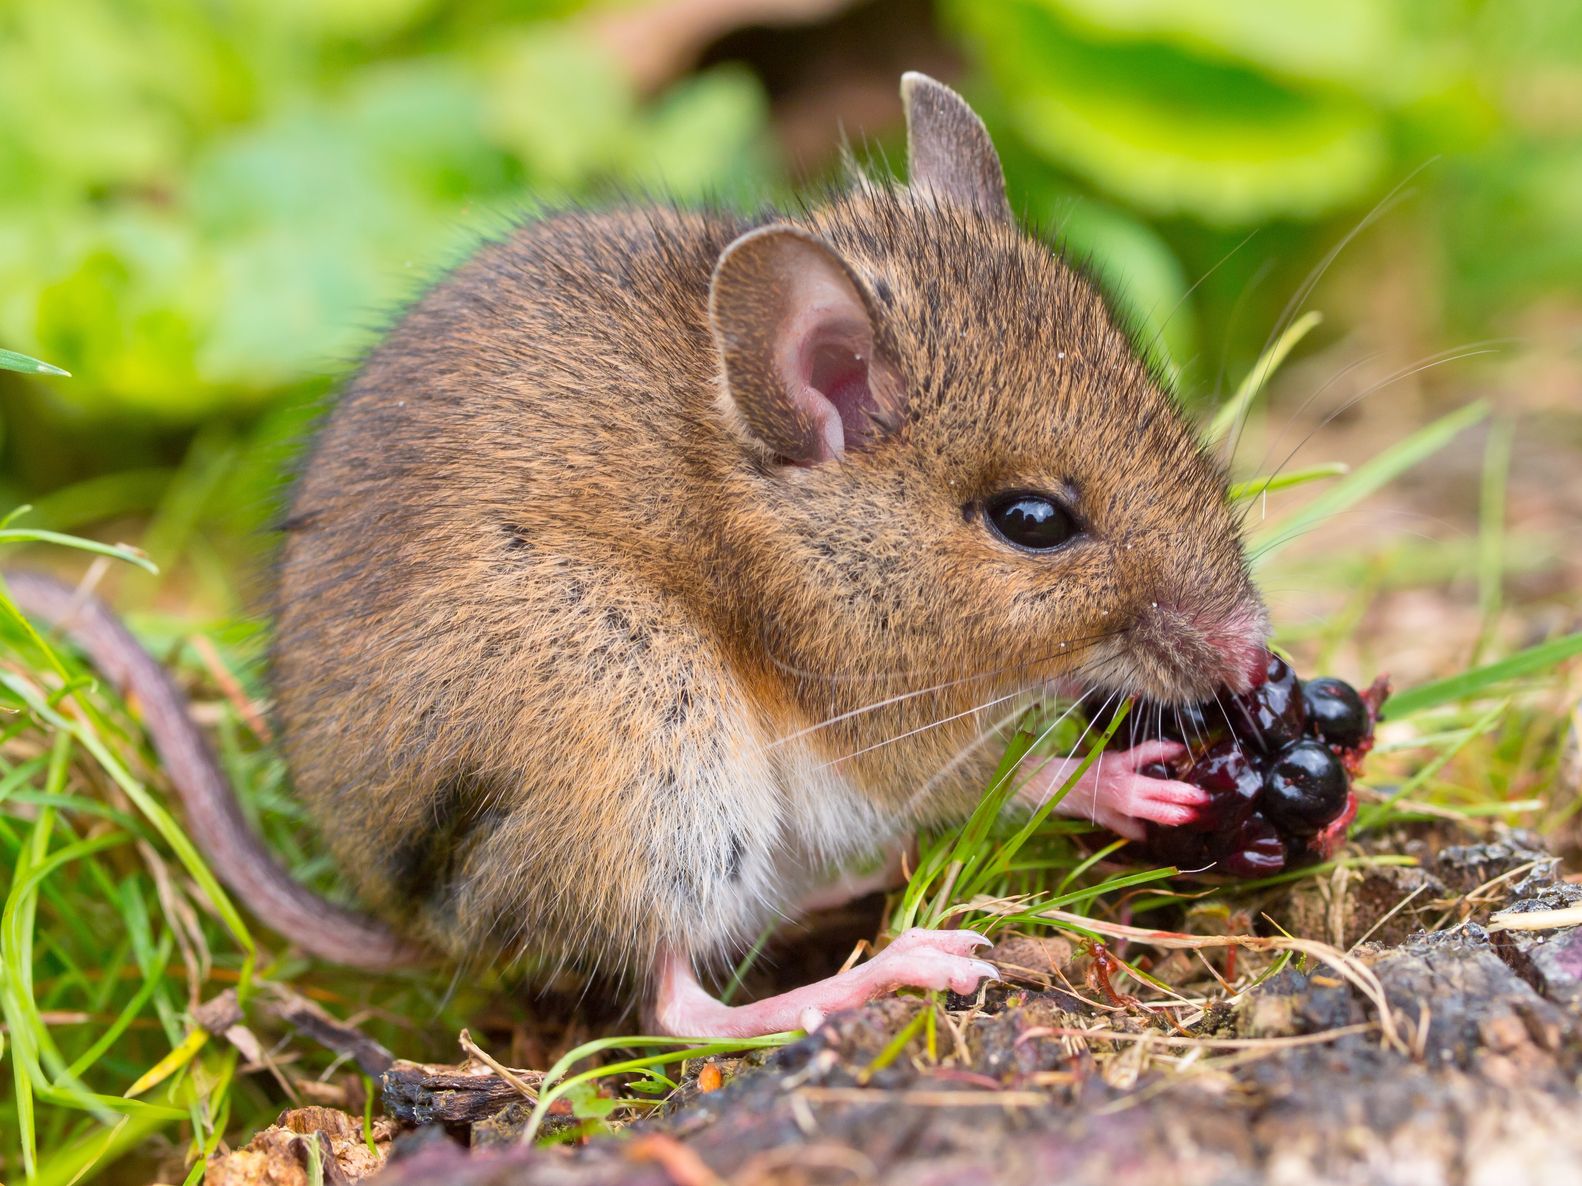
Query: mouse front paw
1115, 793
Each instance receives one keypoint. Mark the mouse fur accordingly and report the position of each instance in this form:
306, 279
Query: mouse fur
641, 579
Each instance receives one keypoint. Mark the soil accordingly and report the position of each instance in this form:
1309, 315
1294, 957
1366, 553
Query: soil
1469, 1075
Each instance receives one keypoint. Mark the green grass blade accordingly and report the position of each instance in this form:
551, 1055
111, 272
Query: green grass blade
1269, 483
1492, 544
153, 811
552, 1087
1481, 679
22, 364
1268, 362
1374, 813
1369, 477
37, 535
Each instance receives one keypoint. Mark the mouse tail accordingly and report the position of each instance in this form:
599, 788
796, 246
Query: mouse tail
214, 817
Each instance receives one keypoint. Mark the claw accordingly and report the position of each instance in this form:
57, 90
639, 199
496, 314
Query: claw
953, 942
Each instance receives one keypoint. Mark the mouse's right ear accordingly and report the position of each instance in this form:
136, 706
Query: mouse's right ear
805, 378
948, 150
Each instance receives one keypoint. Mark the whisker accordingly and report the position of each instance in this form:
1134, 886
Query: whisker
1196, 284
1073, 647
938, 723
1300, 297
934, 779
960, 756
1441, 358
857, 753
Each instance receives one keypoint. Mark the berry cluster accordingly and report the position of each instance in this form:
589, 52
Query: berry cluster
1277, 762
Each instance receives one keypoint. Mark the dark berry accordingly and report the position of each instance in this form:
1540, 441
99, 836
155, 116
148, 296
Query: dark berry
1336, 711
1232, 779
1272, 715
1257, 849
1197, 725
1185, 849
1305, 788
1157, 770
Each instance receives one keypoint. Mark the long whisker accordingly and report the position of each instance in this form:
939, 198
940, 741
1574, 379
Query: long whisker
855, 676
1053, 725
1066, 649
961, 755
956, 717
1442, 358
1299, 298
1196, 284
857, 753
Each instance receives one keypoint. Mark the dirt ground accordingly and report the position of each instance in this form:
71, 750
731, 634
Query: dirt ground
1450, 1056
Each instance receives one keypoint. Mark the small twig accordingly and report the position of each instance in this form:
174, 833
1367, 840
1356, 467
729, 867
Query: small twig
327, 1031
926, 1099
514, 1078
1163, 1039
231, 687
1536, 920
1385, 917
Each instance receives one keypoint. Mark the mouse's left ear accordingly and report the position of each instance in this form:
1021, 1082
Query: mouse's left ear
797, 331
948, 150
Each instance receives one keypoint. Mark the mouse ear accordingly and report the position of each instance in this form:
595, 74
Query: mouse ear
948, 149
795, 328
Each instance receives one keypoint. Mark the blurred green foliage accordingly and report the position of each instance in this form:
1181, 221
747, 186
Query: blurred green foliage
207, 202
207, 207
1158, 134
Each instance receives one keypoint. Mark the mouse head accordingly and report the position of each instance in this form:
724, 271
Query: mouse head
955, 462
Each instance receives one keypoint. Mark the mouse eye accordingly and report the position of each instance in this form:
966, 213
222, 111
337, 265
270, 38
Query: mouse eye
1027, 519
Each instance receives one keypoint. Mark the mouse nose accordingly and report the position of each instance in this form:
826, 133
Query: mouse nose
1246, 661
1200, 651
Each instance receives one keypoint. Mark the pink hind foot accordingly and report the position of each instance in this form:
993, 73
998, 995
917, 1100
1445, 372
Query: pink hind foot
917, 959
1114, 795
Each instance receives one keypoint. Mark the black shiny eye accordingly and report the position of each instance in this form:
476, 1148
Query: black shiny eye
1037, 522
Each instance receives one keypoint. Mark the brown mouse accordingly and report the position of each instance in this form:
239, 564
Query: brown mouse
659, 565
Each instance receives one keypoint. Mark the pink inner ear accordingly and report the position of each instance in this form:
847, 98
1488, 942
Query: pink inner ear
826, 371
838, 371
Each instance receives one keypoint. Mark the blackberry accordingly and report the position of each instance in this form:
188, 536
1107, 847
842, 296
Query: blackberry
1232, 778
1337, 712
1257, 849
1305, 789
1276, 761
1273, 714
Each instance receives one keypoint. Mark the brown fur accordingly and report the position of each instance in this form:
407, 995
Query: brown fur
544, 601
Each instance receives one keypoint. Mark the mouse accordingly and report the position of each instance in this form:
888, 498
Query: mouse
661, 566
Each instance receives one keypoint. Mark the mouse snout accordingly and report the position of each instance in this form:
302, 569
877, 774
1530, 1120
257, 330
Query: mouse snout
1191, 653
1239, 641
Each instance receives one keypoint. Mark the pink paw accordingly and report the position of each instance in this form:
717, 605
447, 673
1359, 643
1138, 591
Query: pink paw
917, 958
1116, 796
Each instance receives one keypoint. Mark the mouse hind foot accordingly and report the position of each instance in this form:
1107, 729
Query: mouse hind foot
917, 959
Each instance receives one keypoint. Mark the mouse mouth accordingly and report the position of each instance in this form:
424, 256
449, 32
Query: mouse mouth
1169, 660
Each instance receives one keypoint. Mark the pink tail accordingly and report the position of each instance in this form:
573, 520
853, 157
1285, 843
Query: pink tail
213, 815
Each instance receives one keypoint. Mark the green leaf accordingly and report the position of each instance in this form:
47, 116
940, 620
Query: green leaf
1257, 487
1330, 41
22, 535
10, 360
1171, 131
1479, 680
1369, 477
